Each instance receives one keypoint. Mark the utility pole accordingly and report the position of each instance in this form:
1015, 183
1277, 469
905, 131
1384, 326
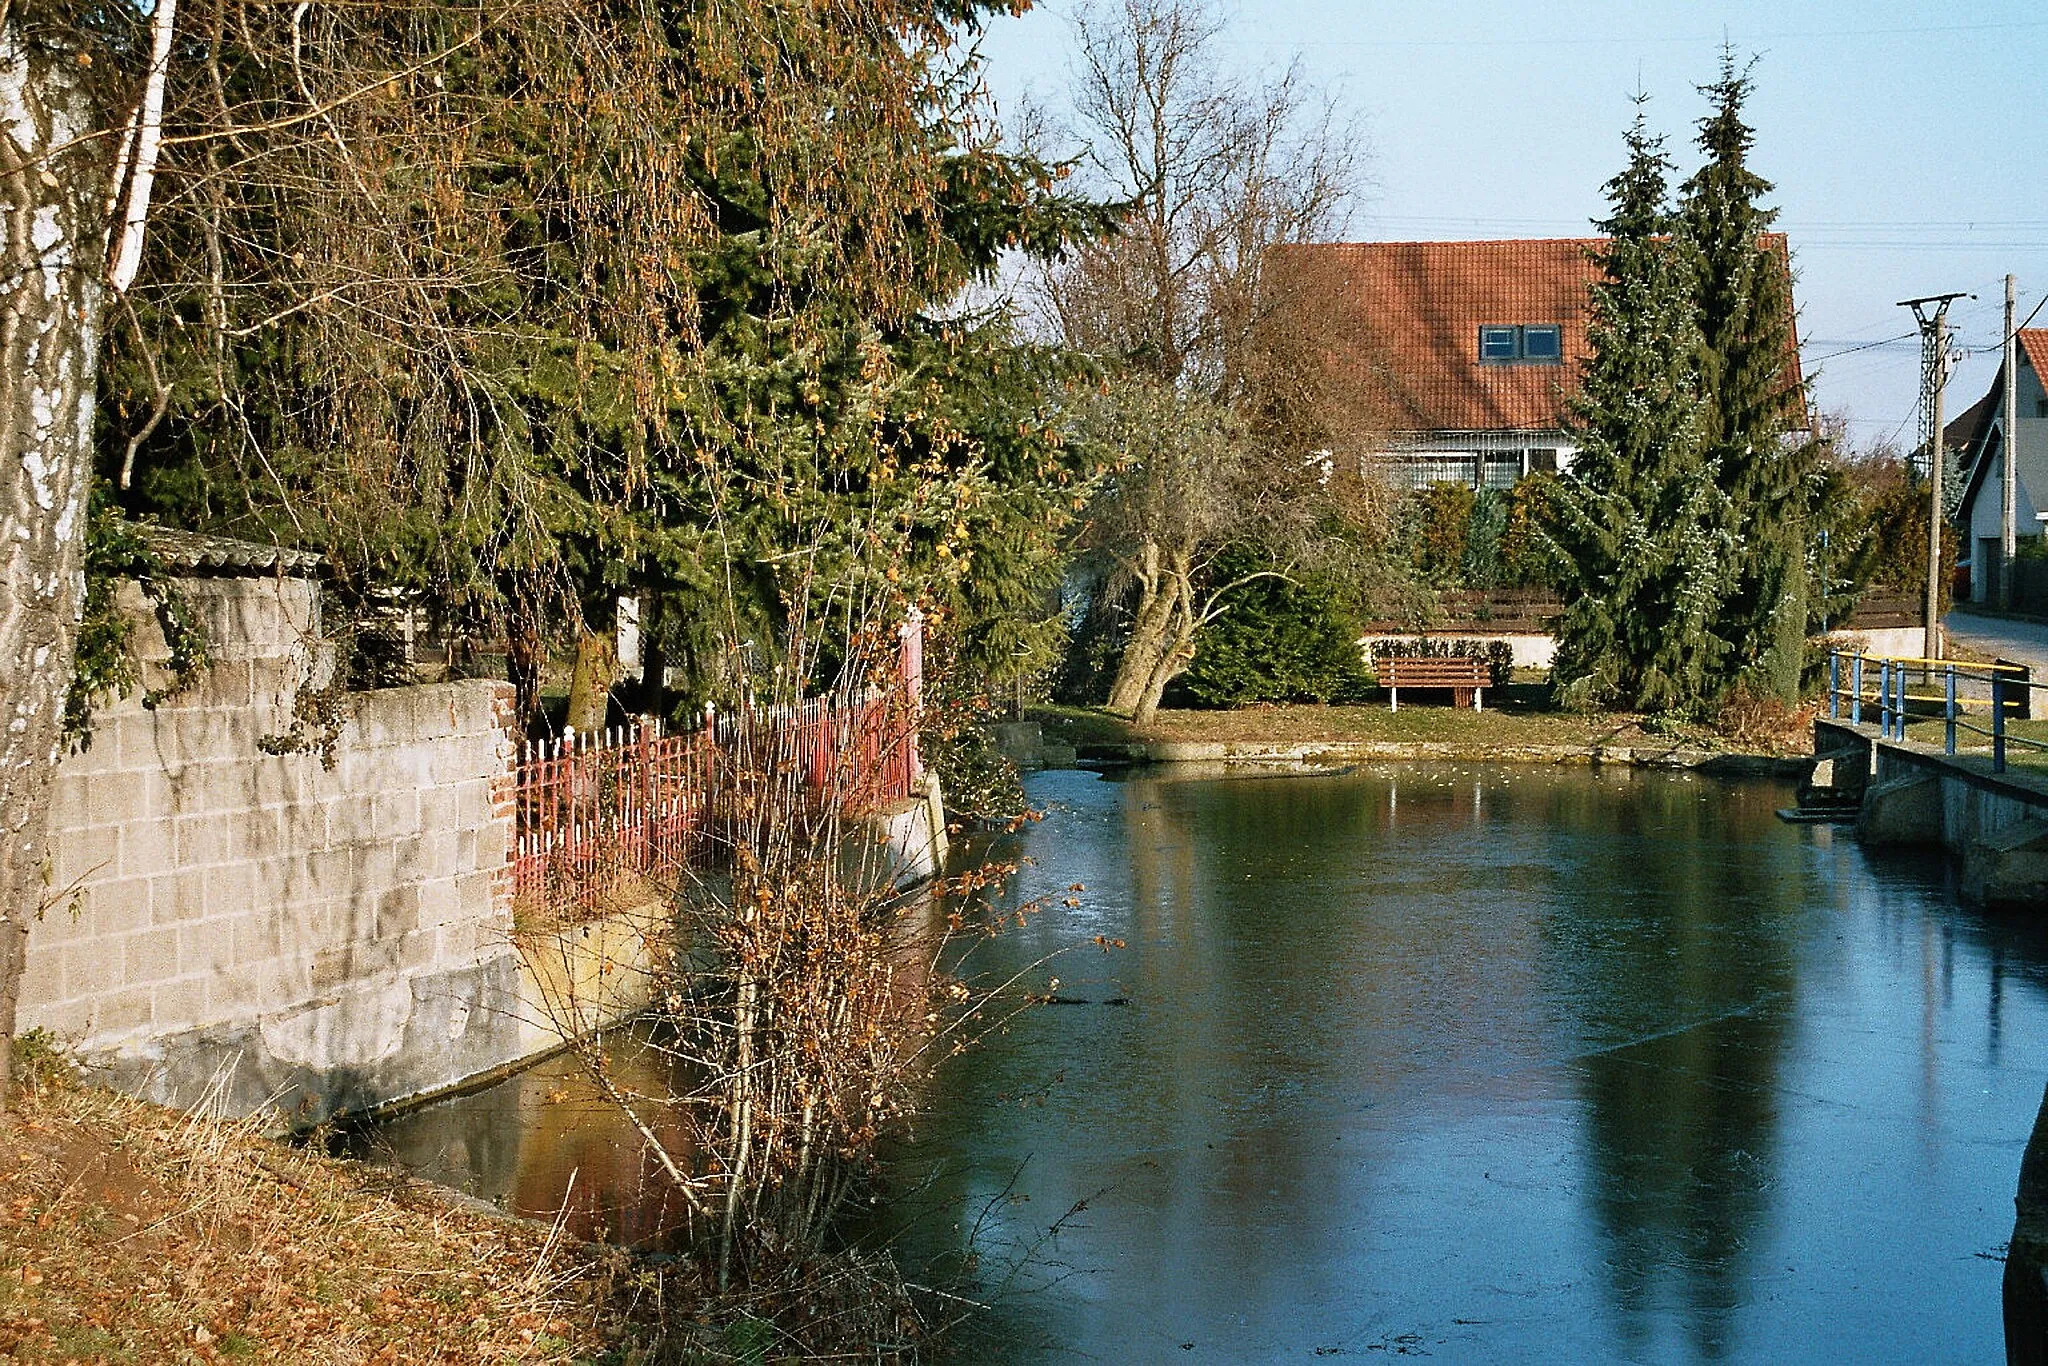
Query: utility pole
1931, 313
2008, 496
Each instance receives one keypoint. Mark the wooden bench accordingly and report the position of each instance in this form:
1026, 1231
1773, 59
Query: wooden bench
1467, 678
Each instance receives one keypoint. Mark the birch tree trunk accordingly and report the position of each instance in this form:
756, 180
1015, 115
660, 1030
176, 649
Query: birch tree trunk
53, 193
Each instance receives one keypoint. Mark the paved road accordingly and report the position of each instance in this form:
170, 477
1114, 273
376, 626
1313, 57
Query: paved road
2023, 642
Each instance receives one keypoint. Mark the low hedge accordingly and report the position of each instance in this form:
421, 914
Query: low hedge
1498, 654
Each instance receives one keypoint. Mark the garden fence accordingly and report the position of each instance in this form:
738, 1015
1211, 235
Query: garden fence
614, 818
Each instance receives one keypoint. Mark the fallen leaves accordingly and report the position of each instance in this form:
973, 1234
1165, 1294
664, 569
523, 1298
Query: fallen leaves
129, 1233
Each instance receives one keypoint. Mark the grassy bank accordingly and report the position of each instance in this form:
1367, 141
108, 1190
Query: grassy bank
1516, 718
129, 1233
2017, 755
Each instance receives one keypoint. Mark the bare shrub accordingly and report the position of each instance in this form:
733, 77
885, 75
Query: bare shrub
807, 1004
1765, 724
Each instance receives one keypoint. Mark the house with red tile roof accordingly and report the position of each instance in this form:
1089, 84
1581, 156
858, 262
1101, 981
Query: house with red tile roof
1988, 443
1479, 345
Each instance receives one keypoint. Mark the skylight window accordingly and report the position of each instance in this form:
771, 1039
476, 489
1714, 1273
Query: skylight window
1529, 344
1544, 343
1499, 343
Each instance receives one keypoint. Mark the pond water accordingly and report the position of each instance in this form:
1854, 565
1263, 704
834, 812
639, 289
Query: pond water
1481, 1063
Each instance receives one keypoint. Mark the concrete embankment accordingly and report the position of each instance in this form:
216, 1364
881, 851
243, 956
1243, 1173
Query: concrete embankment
1914, 795
1024, 744
248, 909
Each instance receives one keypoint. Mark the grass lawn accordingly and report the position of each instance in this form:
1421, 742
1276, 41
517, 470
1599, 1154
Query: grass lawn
1515, 716
2017, 755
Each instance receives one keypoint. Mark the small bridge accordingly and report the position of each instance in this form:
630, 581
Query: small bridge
1964, 797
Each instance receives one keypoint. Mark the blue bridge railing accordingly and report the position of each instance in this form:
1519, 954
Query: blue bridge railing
1857, 682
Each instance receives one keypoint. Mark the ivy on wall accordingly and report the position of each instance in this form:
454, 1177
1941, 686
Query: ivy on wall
117, 549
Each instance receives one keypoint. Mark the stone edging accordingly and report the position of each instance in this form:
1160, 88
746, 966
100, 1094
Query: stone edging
1355, 751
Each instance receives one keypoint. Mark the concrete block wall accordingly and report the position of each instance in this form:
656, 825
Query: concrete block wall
1898, 642
334, 936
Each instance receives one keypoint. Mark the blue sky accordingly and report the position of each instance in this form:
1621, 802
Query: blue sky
1908, 142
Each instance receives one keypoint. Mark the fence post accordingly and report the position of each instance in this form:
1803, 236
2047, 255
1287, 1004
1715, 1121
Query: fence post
2023, 701
646, 824
1834, 685
1997, 722
1950, 710
911, 660
1898, 702
1884, 698
1856, 690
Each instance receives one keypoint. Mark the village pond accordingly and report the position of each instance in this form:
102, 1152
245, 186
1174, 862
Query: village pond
1476, 1062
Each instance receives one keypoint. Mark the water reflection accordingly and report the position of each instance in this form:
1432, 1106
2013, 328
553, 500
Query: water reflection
1489, 1064
1677, 972
547, 1143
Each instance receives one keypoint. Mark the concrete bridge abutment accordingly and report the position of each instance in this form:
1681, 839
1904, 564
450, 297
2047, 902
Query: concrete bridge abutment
1995, 824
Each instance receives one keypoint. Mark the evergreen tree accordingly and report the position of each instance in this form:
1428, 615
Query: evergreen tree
658, 302
1640, 521
1286, 640
1743, 299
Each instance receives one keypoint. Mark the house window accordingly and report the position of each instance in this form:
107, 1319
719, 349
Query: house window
2041, 407
1498, 343
1424, 470
1543, 458
1502, 469
1532, 344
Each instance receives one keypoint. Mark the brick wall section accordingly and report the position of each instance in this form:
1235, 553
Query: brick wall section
340, 931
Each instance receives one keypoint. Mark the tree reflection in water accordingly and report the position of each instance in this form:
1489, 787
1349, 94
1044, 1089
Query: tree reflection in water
1495, 1063
1676, 963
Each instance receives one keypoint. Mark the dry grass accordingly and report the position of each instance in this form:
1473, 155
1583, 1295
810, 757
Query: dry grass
1513, 717
129, 1233
1764, 725
1517, 718
2018, 755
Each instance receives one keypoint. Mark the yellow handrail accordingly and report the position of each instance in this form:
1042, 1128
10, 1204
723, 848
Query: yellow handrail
1958, 664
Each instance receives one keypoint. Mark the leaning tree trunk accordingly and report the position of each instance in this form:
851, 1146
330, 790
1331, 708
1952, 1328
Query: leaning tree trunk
1177, 648
1151, 633
53, 192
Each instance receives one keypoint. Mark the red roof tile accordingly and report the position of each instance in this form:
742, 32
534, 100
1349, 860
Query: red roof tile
1426, 301
2034, 342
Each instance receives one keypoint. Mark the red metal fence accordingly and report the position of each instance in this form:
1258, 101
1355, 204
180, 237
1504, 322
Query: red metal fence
613, 817
598, 813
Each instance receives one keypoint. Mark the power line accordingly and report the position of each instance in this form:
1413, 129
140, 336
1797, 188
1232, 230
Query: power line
1809, 244
1888, 341
1607, 41
2030, 317
1999, 345
1794, 224
1805, 237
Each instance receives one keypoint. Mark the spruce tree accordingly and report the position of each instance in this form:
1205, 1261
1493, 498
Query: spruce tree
1743, 299
1640, 519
